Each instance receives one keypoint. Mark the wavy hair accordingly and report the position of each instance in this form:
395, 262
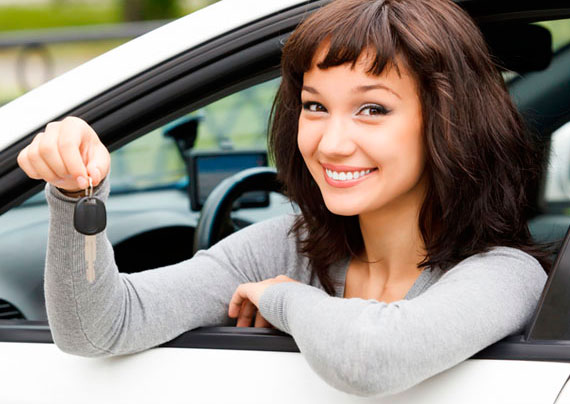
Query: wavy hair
481, 160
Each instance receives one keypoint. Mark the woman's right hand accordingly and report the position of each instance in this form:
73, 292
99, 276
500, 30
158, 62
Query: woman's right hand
65, 154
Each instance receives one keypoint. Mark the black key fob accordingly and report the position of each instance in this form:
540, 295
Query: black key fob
90, 216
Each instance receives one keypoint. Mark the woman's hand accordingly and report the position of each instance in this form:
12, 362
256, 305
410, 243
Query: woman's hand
65, 154
245, 302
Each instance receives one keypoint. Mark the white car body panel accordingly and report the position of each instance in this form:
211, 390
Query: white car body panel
34, 109
180, 375
564, 397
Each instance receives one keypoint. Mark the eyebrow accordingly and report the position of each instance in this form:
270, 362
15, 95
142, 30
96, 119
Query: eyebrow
359, 89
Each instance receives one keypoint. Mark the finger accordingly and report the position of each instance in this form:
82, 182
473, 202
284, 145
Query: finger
261, 322
48, 149
236, 301
74, 137
24, 163
37, 162
246, 314
99, 163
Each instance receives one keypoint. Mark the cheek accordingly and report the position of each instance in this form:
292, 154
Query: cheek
307, 140
397, 147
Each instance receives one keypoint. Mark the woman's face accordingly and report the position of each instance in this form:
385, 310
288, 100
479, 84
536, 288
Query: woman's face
361, 137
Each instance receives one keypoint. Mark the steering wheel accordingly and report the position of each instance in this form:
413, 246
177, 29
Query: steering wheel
215, 222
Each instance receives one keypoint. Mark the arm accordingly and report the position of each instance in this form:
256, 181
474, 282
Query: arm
124, 313
369, 348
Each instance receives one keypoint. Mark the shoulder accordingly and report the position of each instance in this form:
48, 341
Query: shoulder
509, 268
503, 260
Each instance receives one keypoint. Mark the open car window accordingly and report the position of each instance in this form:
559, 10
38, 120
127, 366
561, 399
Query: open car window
149, 203
238, 121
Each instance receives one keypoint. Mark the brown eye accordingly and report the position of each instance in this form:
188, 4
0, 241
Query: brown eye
373, 109
313, 107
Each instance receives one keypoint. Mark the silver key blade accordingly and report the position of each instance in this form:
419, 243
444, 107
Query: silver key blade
90, 255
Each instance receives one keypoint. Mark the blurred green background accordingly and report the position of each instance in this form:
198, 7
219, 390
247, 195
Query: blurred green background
26, 14
29, 18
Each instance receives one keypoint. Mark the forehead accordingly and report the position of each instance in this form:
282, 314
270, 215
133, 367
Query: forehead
366, 61
358, 77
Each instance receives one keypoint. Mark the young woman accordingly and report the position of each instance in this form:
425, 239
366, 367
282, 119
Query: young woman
394, 133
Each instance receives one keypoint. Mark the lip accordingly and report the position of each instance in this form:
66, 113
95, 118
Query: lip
345, 168
346, 183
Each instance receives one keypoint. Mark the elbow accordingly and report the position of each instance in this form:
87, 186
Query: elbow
79, 347
364, 374
369, 382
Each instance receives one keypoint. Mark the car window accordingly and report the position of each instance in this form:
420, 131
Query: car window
238, 121
148, 205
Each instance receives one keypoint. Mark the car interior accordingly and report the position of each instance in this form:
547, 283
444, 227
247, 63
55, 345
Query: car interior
164, 157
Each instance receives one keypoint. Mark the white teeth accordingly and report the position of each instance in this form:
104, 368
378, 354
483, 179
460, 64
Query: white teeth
346, 176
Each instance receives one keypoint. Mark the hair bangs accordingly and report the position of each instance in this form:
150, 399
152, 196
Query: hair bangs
359, 32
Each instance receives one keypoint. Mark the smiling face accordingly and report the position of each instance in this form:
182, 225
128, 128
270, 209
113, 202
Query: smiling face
361, 137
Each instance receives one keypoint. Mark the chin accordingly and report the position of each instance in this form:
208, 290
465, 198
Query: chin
343, 209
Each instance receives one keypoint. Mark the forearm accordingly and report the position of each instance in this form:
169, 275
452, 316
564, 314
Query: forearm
330, 337
72, 303
368, 348
117, 313
123, 313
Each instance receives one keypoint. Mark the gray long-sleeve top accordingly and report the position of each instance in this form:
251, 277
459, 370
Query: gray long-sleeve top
364, 347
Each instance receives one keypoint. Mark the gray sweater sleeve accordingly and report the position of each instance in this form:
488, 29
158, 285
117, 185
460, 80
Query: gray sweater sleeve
371, 348
124, 313
363, 347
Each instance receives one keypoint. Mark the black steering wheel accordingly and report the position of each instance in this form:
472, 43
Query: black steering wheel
215, 222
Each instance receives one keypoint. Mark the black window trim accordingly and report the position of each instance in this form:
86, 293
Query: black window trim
265, 339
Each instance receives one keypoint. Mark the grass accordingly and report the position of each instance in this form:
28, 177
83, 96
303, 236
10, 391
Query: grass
70, 14
20, 18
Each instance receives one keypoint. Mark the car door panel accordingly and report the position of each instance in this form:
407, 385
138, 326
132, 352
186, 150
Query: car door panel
181, 375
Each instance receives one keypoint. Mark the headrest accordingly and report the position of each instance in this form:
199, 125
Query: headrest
520, 47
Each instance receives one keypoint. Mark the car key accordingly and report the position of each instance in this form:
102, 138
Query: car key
90, 219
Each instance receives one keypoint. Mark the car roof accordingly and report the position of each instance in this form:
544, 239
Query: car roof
61, 94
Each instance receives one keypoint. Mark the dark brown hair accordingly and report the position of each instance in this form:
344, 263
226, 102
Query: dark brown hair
480, 159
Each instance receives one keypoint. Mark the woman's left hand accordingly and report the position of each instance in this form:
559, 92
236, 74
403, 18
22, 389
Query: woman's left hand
245, 301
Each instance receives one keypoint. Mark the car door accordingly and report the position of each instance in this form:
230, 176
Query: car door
219, 364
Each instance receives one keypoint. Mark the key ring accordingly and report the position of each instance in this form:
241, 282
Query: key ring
89, 189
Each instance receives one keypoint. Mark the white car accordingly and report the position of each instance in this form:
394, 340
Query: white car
201, 88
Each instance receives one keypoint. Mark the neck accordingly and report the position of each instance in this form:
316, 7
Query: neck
393, 245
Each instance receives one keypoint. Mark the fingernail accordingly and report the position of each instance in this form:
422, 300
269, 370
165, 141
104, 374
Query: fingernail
97, 174
82, 182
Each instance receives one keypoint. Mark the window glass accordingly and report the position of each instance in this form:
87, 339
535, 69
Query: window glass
560, 31
238, 121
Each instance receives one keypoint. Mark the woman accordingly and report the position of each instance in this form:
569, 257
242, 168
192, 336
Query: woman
393, 132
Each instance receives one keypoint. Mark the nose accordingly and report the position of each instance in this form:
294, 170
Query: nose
336, 140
